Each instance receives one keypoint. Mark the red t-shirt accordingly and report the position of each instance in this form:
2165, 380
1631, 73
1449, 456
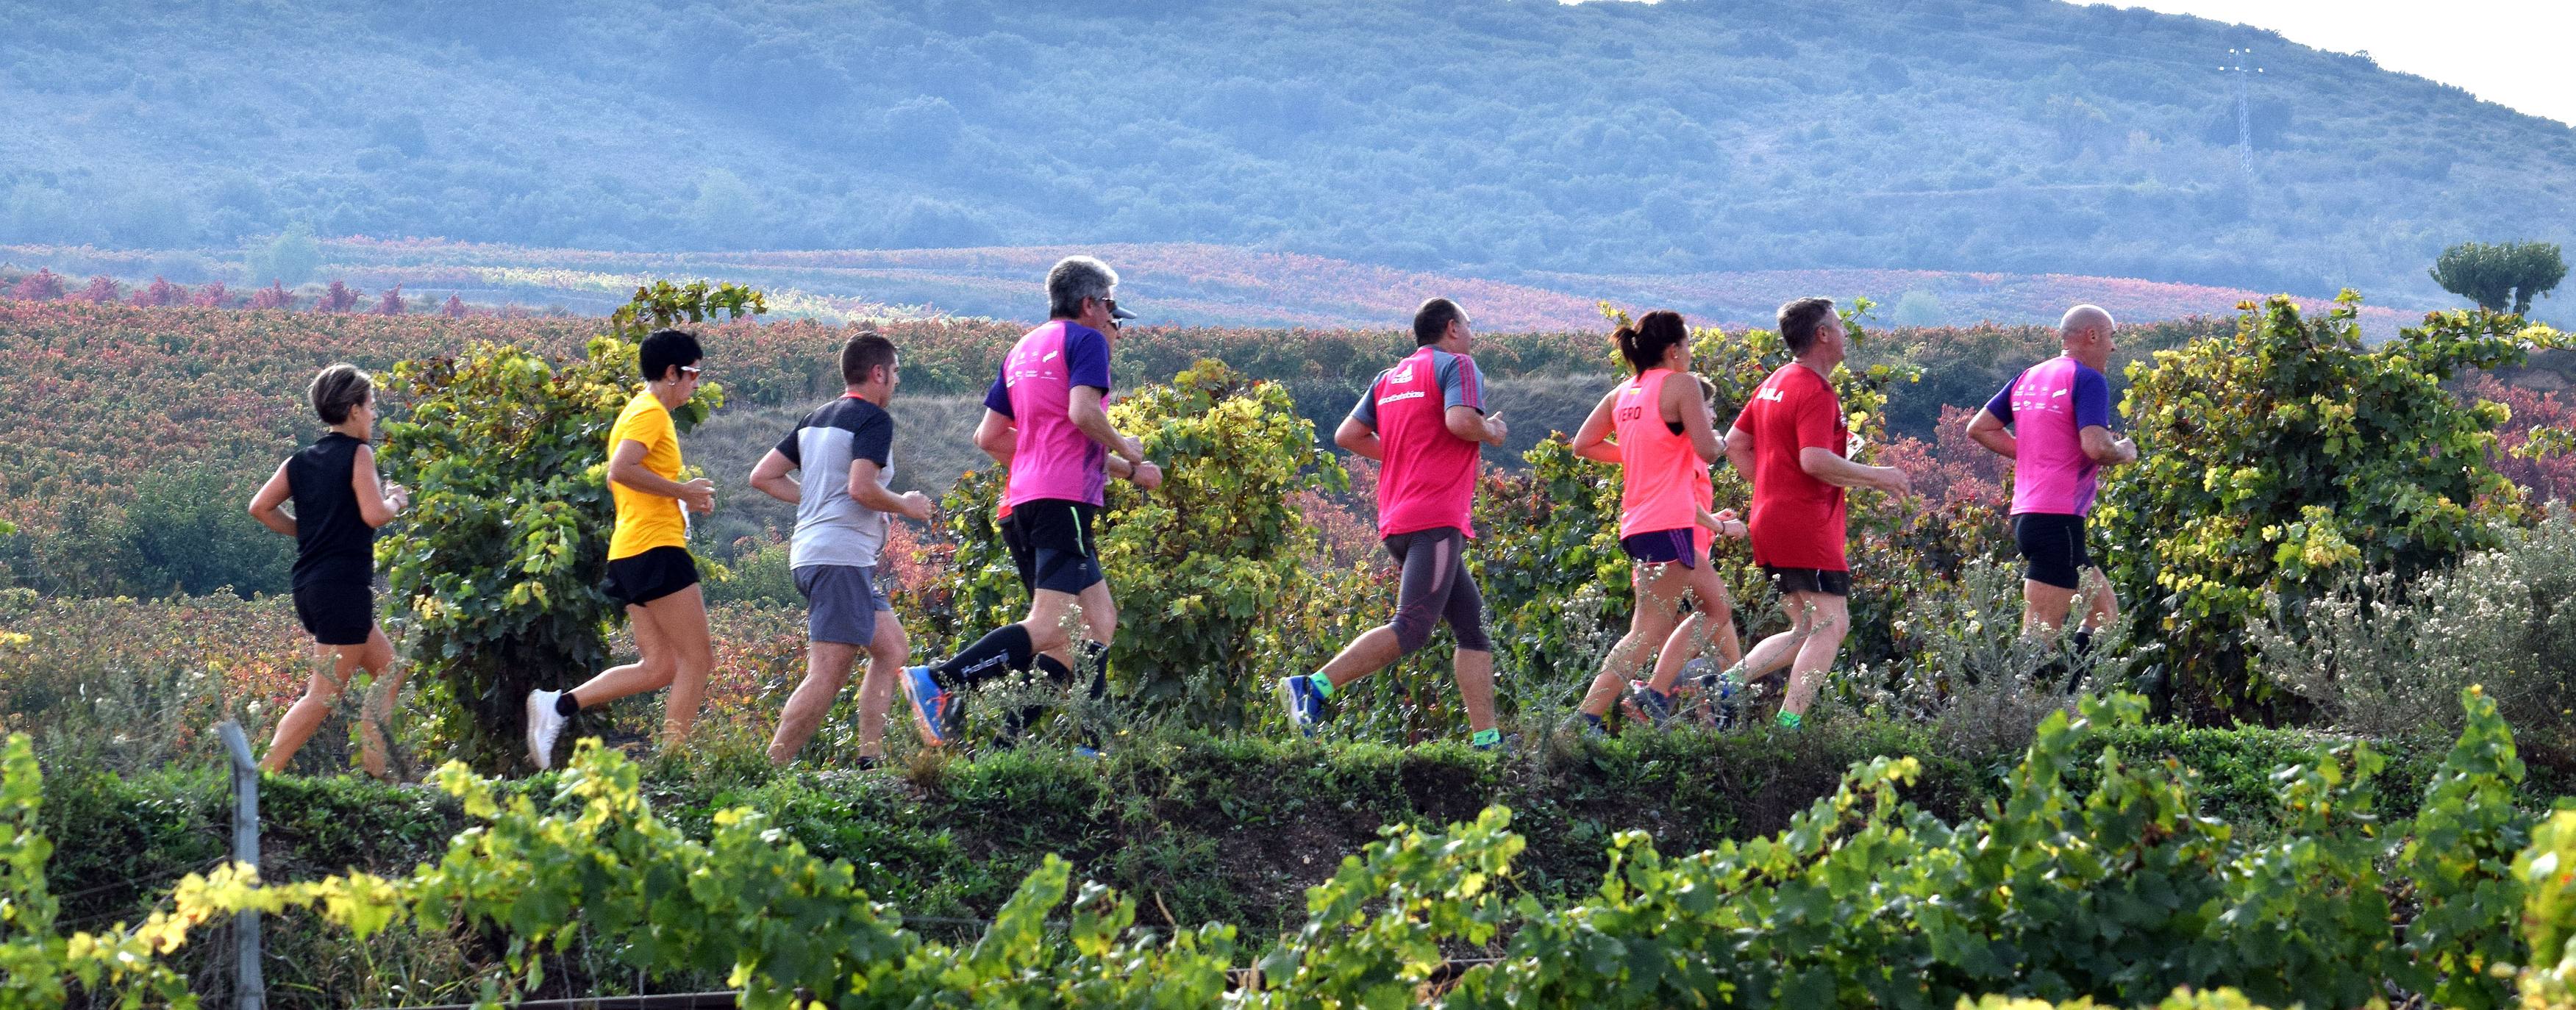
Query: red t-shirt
1430, 476
1797, 520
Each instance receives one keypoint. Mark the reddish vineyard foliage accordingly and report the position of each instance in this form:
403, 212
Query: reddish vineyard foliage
2548, 476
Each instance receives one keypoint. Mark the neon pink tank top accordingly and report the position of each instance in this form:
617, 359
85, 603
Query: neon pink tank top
1663, 481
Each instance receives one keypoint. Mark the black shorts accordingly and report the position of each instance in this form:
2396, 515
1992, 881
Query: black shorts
2052, 548
337, 613
652, 575
1657, 547
1058, 533
1829, 581
1023, 560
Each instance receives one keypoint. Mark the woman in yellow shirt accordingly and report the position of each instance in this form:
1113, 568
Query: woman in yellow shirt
649, 567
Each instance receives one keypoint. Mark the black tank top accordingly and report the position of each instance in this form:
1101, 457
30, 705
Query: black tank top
333, 543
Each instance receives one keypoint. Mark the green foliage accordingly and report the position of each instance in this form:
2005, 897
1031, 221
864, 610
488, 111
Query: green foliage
39, 967
289, 258
506, 455
2278, 459
2500, 277
763, 576
186, 532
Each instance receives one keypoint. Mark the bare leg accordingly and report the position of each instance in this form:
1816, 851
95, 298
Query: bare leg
2104, 605
682, 618
2044, 608
1475, 686
378, 710
333, 665
652, 669
1830, 621
888, 651
1712, 619
1374, 650
827, 667
1658, 592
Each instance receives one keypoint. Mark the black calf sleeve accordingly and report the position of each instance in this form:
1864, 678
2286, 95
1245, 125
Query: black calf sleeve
1004, 649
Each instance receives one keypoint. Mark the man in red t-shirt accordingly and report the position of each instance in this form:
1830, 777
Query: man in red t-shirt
1425, 419
1792, 442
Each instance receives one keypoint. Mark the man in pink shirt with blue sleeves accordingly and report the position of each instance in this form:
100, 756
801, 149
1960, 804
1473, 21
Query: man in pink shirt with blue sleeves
1050, 393
2059, 412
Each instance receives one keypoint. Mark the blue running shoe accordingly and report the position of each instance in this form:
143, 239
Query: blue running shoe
1087, 752
1305, 704
1655, 705
934, 708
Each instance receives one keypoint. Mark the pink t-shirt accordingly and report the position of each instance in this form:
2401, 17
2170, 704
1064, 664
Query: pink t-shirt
1052, 459
1430, 475
2048, 406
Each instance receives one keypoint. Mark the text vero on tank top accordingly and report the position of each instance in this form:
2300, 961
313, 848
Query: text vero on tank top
333, 543
1429, 480
1052, 459
1663, 482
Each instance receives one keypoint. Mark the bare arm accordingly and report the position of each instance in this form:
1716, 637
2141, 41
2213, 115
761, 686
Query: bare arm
1592, 441
770, 476
265, 506
871, 493
627, 467
1682, 402
1360, 439
372, 505
1471, 424
1825, 466
1988, 430
998, 436
2106, 448
1739, 451
1087, 414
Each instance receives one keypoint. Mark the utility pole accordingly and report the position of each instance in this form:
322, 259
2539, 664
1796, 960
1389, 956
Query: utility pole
2237, 65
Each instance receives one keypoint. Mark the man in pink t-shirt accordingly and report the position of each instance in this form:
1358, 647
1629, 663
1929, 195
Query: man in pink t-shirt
1425, 419
1050, 394
2059, 412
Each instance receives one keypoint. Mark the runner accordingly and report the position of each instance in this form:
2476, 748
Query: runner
339, 502
1657, 429
1792, 442
649, 567
842, 453
1050, 390
2060, 414
1425, 419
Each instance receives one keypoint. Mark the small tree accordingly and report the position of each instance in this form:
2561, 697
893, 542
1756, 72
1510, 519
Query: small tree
454, 309
274, 296
392, 303
42, 286
501, 557
102, 289
2286, 456
212, 295
2501, 277
339, 298
160, 293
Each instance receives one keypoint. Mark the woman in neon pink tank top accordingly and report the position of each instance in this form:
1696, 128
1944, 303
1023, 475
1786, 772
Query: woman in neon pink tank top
1656, 426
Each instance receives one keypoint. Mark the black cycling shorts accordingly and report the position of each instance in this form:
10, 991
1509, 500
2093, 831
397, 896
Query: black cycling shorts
337, 613
1829, 581
1023, 560
2052, 548
1058, 533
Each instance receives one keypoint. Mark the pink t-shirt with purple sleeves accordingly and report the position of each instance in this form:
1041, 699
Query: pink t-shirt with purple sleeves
2048, 406
1429, 480
1053, 459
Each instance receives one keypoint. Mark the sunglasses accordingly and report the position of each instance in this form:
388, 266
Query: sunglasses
690, 371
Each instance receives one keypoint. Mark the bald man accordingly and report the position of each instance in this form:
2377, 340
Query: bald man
2059, 416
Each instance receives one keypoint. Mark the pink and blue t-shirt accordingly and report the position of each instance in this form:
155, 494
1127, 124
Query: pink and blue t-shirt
1429, 480
1053, 459
2048, 406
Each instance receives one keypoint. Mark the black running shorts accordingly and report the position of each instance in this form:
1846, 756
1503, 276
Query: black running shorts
1059, 537
652, 575
337, 613
1658, 547
1831, 582
2052, 548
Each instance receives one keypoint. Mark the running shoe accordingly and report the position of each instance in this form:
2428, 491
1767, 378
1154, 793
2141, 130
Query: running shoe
544, 725
1656, 705
1305, 704
934, 708
1087, 752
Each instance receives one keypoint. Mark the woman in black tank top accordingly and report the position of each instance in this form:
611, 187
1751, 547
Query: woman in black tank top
338, 505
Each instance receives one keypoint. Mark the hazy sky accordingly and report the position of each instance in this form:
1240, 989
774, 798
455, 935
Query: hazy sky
2510, 52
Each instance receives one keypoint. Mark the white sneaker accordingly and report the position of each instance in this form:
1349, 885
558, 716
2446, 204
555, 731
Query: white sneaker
544, 725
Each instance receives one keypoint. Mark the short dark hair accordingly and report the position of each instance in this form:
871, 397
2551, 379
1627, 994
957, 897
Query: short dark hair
1431, 321
864, 354
1644, 342
1799, 321
664, 350
339, 389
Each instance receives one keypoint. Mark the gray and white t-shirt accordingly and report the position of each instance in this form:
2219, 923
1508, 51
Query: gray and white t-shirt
831, 529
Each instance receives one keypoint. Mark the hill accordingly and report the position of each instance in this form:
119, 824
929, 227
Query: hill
1480, 137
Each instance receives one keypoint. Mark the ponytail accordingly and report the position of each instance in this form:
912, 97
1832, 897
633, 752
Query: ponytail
1644, 341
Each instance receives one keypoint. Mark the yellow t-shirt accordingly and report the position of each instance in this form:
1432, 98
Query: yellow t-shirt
646, 521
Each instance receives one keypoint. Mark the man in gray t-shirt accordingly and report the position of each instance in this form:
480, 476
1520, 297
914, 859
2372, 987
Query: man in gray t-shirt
842, 455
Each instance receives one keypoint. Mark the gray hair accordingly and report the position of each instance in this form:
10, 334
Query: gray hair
1073, 279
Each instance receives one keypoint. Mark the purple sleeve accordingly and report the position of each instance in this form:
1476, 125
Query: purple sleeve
1366, 411
2000, 404
1460, 385
2092, 400
1086, 359
998, 398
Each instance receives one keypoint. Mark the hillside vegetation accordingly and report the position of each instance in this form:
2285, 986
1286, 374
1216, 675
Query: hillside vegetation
1468, 135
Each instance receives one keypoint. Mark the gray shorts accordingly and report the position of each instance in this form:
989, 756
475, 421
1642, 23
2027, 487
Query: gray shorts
842, 603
